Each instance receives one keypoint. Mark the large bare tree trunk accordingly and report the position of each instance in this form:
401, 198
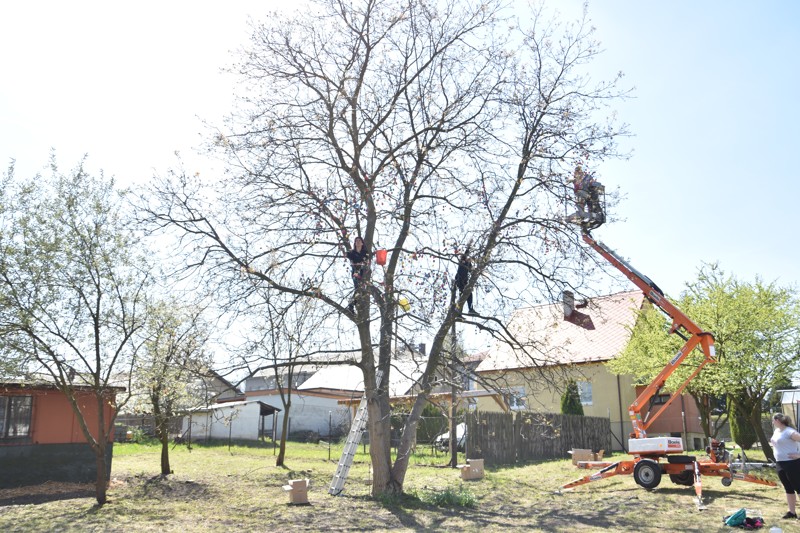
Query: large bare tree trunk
755, 420
380, 434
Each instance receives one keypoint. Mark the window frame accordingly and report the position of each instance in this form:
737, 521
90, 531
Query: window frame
10, 417
660, 399
516, 399
583, 388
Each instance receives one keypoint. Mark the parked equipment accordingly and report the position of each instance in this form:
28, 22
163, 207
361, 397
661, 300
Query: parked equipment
656, 456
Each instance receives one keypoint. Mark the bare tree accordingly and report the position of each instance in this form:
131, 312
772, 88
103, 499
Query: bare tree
430, 129
284, 330
72, 292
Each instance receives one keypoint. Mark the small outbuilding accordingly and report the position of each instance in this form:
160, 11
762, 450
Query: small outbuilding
239, 420
40, 437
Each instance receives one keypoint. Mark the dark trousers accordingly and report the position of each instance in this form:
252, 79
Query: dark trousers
789, 474
469, 297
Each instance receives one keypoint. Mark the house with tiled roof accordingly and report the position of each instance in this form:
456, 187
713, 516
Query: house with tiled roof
555, 343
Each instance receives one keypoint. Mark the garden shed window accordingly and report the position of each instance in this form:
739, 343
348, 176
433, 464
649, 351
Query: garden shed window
15, 416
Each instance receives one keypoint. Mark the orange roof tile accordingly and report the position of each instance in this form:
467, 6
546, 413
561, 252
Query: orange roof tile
597, 332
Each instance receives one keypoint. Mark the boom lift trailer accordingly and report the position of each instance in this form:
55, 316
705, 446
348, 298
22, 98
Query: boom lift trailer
655, 456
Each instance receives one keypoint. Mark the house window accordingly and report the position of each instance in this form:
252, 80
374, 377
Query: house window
585, 391
516, 399
468, 381
660, 399
15, 416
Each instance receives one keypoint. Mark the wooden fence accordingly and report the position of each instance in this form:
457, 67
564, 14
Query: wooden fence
507, 438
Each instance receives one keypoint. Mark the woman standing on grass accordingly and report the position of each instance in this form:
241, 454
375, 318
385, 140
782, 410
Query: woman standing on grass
784, 441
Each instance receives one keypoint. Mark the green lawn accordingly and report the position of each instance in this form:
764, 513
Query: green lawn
217, 488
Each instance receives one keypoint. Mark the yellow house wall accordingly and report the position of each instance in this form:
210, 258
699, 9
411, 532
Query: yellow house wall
609, 393
607, 397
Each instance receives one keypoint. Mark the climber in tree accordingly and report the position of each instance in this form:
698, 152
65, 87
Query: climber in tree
462, 278
358, 266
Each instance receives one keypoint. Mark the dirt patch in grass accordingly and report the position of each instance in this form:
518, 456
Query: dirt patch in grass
172, 488
45, 492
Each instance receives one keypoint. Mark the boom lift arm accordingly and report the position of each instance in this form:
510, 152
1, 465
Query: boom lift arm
647, 466
681, 325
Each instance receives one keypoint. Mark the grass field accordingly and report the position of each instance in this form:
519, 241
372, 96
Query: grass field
217, 488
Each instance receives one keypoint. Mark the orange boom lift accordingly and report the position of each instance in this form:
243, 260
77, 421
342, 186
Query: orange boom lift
656, 456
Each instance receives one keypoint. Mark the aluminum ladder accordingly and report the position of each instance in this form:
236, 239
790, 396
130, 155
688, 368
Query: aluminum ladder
351, 446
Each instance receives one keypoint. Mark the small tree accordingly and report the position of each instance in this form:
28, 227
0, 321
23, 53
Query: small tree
282, 342
756, 328
72, 291
571, 400
173, 358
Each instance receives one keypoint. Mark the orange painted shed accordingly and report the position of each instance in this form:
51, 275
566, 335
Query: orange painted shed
40, 436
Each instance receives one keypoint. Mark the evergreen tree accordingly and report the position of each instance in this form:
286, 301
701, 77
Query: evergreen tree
571, 400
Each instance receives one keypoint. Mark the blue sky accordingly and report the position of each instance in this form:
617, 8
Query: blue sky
712, 176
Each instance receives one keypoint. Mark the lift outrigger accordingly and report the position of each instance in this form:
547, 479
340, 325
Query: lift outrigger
656, 456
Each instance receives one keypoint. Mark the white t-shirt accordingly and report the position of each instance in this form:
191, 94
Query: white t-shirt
784, 445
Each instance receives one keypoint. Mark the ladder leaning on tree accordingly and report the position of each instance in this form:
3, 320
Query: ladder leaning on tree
351, 445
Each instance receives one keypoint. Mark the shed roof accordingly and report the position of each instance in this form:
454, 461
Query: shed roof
790, 396
41, 385
266, 409
596, 332
406, 371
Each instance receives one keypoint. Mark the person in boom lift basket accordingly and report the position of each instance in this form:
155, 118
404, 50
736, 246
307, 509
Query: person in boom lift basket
785, 441
587, 197
358, 266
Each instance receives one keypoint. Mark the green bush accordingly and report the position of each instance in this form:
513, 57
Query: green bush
449, 497
138, 435
571, 400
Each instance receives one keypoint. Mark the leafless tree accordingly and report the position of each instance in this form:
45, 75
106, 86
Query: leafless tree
283, 345
431, 129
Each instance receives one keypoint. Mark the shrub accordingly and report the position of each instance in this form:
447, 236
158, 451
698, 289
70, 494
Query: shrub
449, 497
571, 400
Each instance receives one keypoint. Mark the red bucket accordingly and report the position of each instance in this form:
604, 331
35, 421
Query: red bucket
380, 257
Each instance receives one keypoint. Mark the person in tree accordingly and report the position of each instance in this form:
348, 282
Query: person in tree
462, 278
785, 441
358, 266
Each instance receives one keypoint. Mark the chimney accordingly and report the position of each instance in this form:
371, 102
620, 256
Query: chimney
568, 299
421, 348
